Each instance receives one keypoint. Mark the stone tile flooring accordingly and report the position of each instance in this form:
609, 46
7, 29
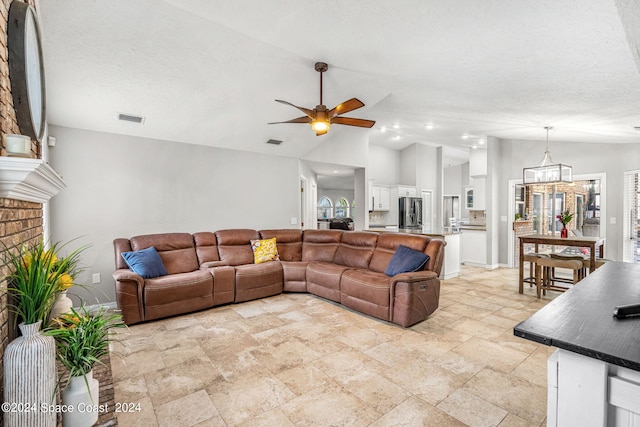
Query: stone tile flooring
298, 360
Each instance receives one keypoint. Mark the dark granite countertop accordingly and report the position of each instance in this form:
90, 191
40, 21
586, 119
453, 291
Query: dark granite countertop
581, 320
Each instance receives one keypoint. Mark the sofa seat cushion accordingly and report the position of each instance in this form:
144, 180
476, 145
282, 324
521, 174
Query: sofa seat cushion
323, 279
177, 293
295, 276
366, 291
255, 281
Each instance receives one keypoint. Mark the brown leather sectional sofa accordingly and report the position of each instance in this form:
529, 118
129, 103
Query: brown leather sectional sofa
208, 269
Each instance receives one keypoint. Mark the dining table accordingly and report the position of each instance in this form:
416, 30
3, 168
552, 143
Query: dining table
575, 241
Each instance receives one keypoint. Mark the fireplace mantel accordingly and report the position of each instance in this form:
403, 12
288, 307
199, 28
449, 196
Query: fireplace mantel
31, 180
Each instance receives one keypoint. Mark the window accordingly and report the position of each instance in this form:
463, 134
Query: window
325, 208
342, 208
559, 207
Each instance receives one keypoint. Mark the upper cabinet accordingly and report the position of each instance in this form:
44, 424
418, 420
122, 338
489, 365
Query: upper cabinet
406, 191
379, 200
478, 162
479, 196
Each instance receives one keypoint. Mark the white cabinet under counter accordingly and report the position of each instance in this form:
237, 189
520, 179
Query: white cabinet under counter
473, 246
451, 267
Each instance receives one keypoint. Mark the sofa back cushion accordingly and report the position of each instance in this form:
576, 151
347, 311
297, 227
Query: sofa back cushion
356, 249
387, 245
234, 245
320, 245
435, 250
177, 250
121, 245
289, 243
206, 246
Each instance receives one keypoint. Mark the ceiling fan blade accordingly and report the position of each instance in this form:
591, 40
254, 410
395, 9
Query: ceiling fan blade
303, 119
304, 110
321, 132
349, 121
345, 107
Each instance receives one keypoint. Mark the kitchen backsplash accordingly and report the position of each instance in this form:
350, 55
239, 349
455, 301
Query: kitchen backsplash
477, 217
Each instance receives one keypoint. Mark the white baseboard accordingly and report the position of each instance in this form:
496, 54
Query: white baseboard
107, 306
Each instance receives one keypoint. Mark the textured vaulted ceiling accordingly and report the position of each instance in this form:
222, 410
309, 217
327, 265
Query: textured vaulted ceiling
208, 71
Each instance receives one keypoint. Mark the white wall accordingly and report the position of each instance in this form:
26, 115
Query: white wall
384, 165
119, 186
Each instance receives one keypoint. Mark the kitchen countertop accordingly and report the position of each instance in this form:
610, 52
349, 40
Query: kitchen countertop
473, 227
581, 321
407, 230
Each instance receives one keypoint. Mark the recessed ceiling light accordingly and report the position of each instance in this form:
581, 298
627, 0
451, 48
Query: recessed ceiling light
396, 126
474, 146
465, 136
429, 126
335, 171
481, 141
383, 129
397, 137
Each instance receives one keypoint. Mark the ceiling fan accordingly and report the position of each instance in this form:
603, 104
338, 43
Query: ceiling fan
322, 118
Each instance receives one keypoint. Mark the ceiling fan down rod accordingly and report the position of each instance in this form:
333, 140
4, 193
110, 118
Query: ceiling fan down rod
321, 67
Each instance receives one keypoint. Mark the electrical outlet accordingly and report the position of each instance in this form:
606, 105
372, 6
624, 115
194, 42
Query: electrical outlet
612, 220
294, 220
95, 278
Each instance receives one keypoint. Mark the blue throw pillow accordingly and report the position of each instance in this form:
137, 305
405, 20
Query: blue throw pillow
406, 260
145, 262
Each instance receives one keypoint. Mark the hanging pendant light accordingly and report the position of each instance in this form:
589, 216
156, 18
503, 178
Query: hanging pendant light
547, 172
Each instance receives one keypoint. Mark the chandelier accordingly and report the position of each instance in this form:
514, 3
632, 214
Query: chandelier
547, 172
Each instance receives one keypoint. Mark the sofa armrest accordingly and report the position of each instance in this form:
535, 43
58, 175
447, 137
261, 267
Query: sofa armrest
211, 264
126, 275
415, 276
129, 287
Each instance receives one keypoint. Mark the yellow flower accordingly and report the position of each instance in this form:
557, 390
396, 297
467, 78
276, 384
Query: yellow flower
51, 256
26, 260
65, 281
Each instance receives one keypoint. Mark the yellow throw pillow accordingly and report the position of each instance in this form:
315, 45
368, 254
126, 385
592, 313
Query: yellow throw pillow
264, 250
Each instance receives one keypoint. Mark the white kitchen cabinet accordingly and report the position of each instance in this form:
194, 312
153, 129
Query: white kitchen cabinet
479, 196
379, 198
451, 267
473, 247
406, 191
589, 392
478, 162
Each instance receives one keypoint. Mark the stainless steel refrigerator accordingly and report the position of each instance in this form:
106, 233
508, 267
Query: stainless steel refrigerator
410, 212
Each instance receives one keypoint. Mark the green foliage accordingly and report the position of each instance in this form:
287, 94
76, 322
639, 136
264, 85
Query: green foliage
82, 338
565, 217
37, 276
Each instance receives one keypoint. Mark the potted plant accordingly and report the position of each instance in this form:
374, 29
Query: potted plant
82, 339
565, 218
37, 276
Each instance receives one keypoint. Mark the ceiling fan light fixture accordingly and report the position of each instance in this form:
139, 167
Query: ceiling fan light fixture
320, 125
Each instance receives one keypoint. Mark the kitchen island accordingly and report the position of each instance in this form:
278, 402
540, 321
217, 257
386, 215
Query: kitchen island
594, 376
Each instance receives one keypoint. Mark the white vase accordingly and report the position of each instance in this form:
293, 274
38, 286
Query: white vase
63, 305
83, 400
30, 378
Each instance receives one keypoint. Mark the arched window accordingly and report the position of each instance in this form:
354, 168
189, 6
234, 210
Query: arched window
325, 208
342, 208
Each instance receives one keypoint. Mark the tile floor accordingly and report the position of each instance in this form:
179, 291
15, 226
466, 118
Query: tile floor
298, 360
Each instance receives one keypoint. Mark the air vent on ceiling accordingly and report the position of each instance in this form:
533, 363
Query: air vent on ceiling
274, 142
130, 118
637, 128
